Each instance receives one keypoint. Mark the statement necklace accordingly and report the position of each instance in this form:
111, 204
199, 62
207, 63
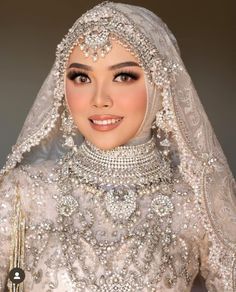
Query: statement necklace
119, 176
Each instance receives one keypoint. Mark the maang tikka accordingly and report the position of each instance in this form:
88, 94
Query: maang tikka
95, 43
68, 127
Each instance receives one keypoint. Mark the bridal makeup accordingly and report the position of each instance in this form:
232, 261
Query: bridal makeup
107, 98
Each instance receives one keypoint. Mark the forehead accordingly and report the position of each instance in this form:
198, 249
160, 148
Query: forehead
118, 54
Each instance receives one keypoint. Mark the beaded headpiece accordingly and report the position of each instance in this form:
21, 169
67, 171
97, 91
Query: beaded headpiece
95, 42
94, 31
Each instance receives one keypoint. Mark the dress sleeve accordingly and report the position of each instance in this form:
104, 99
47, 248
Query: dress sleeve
12, 230
7, 194
218, 245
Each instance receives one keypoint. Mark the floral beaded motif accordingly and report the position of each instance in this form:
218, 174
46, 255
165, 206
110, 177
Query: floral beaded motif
147, 232
141, 252
120, 204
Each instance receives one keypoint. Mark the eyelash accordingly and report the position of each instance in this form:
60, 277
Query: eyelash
132, 75
72, 75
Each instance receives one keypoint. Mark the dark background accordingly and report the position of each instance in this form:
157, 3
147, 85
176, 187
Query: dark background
205, 30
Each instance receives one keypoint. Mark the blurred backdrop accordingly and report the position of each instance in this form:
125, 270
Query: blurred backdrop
205, 30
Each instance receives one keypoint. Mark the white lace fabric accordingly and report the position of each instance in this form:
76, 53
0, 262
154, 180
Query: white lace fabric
204, 219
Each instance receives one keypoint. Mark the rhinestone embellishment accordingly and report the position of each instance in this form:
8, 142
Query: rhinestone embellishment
162, 205
115, 177
67, 205
120, 203
97, 38
97, 27
95, 42
115, 283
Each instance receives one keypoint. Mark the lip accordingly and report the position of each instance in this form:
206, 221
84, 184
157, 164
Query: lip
104, 117
103, 128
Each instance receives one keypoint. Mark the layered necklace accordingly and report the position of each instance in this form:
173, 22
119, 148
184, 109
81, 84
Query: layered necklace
116, 180
118, 176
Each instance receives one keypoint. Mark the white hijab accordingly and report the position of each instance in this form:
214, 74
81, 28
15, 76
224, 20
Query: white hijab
154, 101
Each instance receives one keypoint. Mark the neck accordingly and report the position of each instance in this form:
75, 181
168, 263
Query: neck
120, 153
140, 139
141, 168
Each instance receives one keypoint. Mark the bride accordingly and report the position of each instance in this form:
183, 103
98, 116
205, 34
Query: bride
117, 181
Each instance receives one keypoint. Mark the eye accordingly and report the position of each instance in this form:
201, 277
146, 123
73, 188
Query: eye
125, 76
78, 77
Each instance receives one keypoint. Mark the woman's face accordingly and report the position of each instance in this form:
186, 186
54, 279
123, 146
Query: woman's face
107, 98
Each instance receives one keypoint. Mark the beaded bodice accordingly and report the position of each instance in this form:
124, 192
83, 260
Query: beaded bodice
120, 220
158, 245
94, 223
106, 229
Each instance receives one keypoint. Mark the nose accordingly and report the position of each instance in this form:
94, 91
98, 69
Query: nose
101, 97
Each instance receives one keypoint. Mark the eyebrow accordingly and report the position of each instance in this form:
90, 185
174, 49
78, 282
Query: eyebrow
112, 67
123, 64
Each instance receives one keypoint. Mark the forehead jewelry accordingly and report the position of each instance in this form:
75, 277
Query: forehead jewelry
95, 43
94, 31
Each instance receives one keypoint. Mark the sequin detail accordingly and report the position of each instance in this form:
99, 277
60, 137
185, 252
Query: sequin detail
120, 203
67, 205
162, 205
116, 176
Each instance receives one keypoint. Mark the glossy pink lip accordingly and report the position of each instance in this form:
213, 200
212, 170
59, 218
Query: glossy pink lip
104, 117
103, 128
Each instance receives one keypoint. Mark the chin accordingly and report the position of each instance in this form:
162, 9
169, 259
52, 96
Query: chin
106, 144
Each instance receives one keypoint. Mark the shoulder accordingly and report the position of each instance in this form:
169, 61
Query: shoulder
187, 217
27, 172
42, 169
33, 183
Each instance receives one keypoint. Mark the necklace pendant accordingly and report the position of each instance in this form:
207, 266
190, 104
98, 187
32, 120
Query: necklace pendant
120, 203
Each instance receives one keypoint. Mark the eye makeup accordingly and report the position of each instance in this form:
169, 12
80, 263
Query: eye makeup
127, 73
73, 74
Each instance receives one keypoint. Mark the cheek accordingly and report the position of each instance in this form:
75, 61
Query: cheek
77, 99
134, 101
141, 100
